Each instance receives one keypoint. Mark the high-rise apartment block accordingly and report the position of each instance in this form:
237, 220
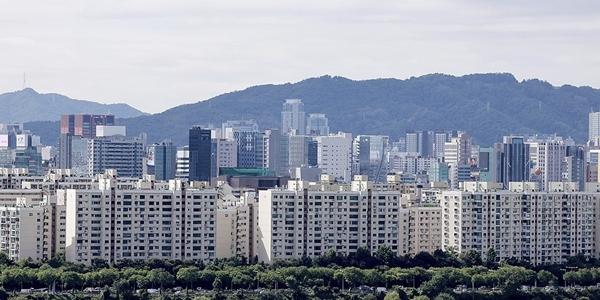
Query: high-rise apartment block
308, 220
521, 222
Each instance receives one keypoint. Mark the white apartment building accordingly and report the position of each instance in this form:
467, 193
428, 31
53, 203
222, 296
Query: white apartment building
22, 232
425, 229
334, 155
164, 220
522, 222
308, 219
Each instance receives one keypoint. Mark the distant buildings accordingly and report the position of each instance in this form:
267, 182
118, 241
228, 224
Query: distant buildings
84, 125
594, 128
317, 124
20, 149
293, 118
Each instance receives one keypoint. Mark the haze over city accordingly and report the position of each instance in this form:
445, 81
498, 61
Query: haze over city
155, 55
376, 150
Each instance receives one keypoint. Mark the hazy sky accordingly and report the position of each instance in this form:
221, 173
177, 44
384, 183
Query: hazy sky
157, 54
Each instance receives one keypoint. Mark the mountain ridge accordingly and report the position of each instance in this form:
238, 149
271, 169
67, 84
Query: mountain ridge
28, 105
486, 105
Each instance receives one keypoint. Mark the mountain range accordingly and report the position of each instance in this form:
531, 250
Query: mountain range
28, 105
485, 105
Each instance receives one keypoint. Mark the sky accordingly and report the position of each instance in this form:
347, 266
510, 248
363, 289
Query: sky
155, 55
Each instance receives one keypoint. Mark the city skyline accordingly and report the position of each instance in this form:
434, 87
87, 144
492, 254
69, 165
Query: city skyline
153, 56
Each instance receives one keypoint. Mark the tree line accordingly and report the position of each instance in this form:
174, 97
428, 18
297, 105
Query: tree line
327, 277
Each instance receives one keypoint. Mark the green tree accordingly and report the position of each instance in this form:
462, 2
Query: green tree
123, 287
48, 277
71, 280
444, 296
188, 276
471, 258
217, 284
490, 258
3, 294
160, 278
5, 260
545, 278
386, 256
392, 295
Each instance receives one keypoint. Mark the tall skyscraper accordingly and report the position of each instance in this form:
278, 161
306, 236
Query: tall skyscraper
250, 143
200, 146
594, 127
84, 125
293, 119
317, 124
165, 157
515, 160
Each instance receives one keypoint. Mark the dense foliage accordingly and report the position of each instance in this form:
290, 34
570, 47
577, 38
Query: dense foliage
383, 275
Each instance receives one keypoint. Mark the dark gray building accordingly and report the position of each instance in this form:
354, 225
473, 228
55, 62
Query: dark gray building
165, 161
514, 160
200, 147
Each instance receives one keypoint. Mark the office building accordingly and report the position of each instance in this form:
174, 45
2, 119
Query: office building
125, 155
515, 160
371, 156
293, 119
224, 154
317, 125
84, 125
334, 155
200, 149
165, 160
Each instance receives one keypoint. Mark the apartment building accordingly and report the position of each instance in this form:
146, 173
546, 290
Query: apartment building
165, 220
308, 219
425, 228
521, 222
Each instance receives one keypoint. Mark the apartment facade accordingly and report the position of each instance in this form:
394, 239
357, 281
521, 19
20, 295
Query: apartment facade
522, 222
311, 219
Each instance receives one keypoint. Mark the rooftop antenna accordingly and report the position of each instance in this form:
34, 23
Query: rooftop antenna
24, 80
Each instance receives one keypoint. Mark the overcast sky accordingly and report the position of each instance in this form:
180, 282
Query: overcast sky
158, 54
